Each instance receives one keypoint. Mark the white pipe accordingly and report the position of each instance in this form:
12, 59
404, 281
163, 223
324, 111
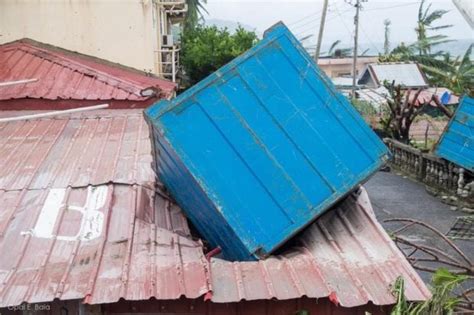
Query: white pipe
8, 83
55, 113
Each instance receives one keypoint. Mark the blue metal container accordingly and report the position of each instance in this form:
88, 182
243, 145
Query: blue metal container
260, 148
457, 142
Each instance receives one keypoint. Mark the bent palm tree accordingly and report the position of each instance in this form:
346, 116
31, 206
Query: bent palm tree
456, 74
426, 18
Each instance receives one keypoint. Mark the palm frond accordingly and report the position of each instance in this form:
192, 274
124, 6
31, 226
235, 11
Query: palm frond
333, 45
433, 16
437, 28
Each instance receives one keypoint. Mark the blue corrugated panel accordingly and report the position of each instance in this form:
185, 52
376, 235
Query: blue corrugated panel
457, 142
260, 148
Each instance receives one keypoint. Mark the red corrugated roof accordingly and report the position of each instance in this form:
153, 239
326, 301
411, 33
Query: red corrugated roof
345, 255
80, 217
81, 220
63, 74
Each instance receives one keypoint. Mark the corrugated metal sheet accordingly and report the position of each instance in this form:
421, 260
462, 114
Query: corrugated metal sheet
67, 75
269, 126
80, 218
61, 237
405, 74
457, 142
345, 255
106, 146
426, 95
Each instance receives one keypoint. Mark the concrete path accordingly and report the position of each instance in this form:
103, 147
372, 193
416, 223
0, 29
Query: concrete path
395, 196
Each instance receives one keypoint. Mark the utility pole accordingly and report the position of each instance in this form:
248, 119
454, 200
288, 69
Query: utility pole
321, 31
356, 40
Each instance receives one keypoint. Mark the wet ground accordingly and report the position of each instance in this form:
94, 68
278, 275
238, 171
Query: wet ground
395, 196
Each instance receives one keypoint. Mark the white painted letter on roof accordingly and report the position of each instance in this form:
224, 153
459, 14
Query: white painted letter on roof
92, 218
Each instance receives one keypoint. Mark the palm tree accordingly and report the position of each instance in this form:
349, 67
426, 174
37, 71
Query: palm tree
426, 18
456, 74
195, 12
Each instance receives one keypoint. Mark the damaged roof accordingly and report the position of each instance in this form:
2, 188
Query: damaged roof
84, 218
67, 75
81, 219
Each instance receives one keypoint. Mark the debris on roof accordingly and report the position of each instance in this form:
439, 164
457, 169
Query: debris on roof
84, 221
408, 75
66, 75
263, 126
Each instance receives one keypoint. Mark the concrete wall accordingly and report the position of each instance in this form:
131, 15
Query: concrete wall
337, 67
122, 31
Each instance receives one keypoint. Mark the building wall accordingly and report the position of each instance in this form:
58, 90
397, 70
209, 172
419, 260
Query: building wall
338, 67
196, 307
119, 31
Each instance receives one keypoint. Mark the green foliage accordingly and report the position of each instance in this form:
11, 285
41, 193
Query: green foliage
457, 74
207, 48
364, 108
442, 302
302, 312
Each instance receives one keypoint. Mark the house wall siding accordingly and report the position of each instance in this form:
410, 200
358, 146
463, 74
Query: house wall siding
119, 31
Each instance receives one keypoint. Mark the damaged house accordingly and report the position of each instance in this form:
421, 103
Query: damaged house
86, 226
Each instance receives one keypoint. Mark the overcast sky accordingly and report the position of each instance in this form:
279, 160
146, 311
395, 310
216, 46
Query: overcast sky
303, 16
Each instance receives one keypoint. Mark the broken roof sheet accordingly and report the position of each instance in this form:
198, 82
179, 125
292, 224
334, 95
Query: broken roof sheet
81, 220
64, 74
345, 255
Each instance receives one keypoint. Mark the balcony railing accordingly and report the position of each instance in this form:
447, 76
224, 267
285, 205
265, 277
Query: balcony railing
432, 170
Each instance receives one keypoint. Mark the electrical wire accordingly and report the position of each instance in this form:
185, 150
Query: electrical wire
330, 18
392, 7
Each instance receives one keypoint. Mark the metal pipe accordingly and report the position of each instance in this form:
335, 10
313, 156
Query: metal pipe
54, 113
8, 83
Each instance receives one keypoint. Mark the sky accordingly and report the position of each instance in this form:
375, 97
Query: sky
303, 18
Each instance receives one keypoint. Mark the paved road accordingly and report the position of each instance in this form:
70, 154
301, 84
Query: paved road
394, 196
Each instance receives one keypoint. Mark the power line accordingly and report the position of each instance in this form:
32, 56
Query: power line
304, 18
392, 7
301, 32
369, 40
331, 9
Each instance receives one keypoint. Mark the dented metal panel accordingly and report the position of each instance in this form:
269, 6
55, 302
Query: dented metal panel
345, 255
260, 148
457, 142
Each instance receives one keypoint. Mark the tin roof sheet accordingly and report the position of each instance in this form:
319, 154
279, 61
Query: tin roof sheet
345, 255
80, 217
82, 220
64, 74
406, 74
